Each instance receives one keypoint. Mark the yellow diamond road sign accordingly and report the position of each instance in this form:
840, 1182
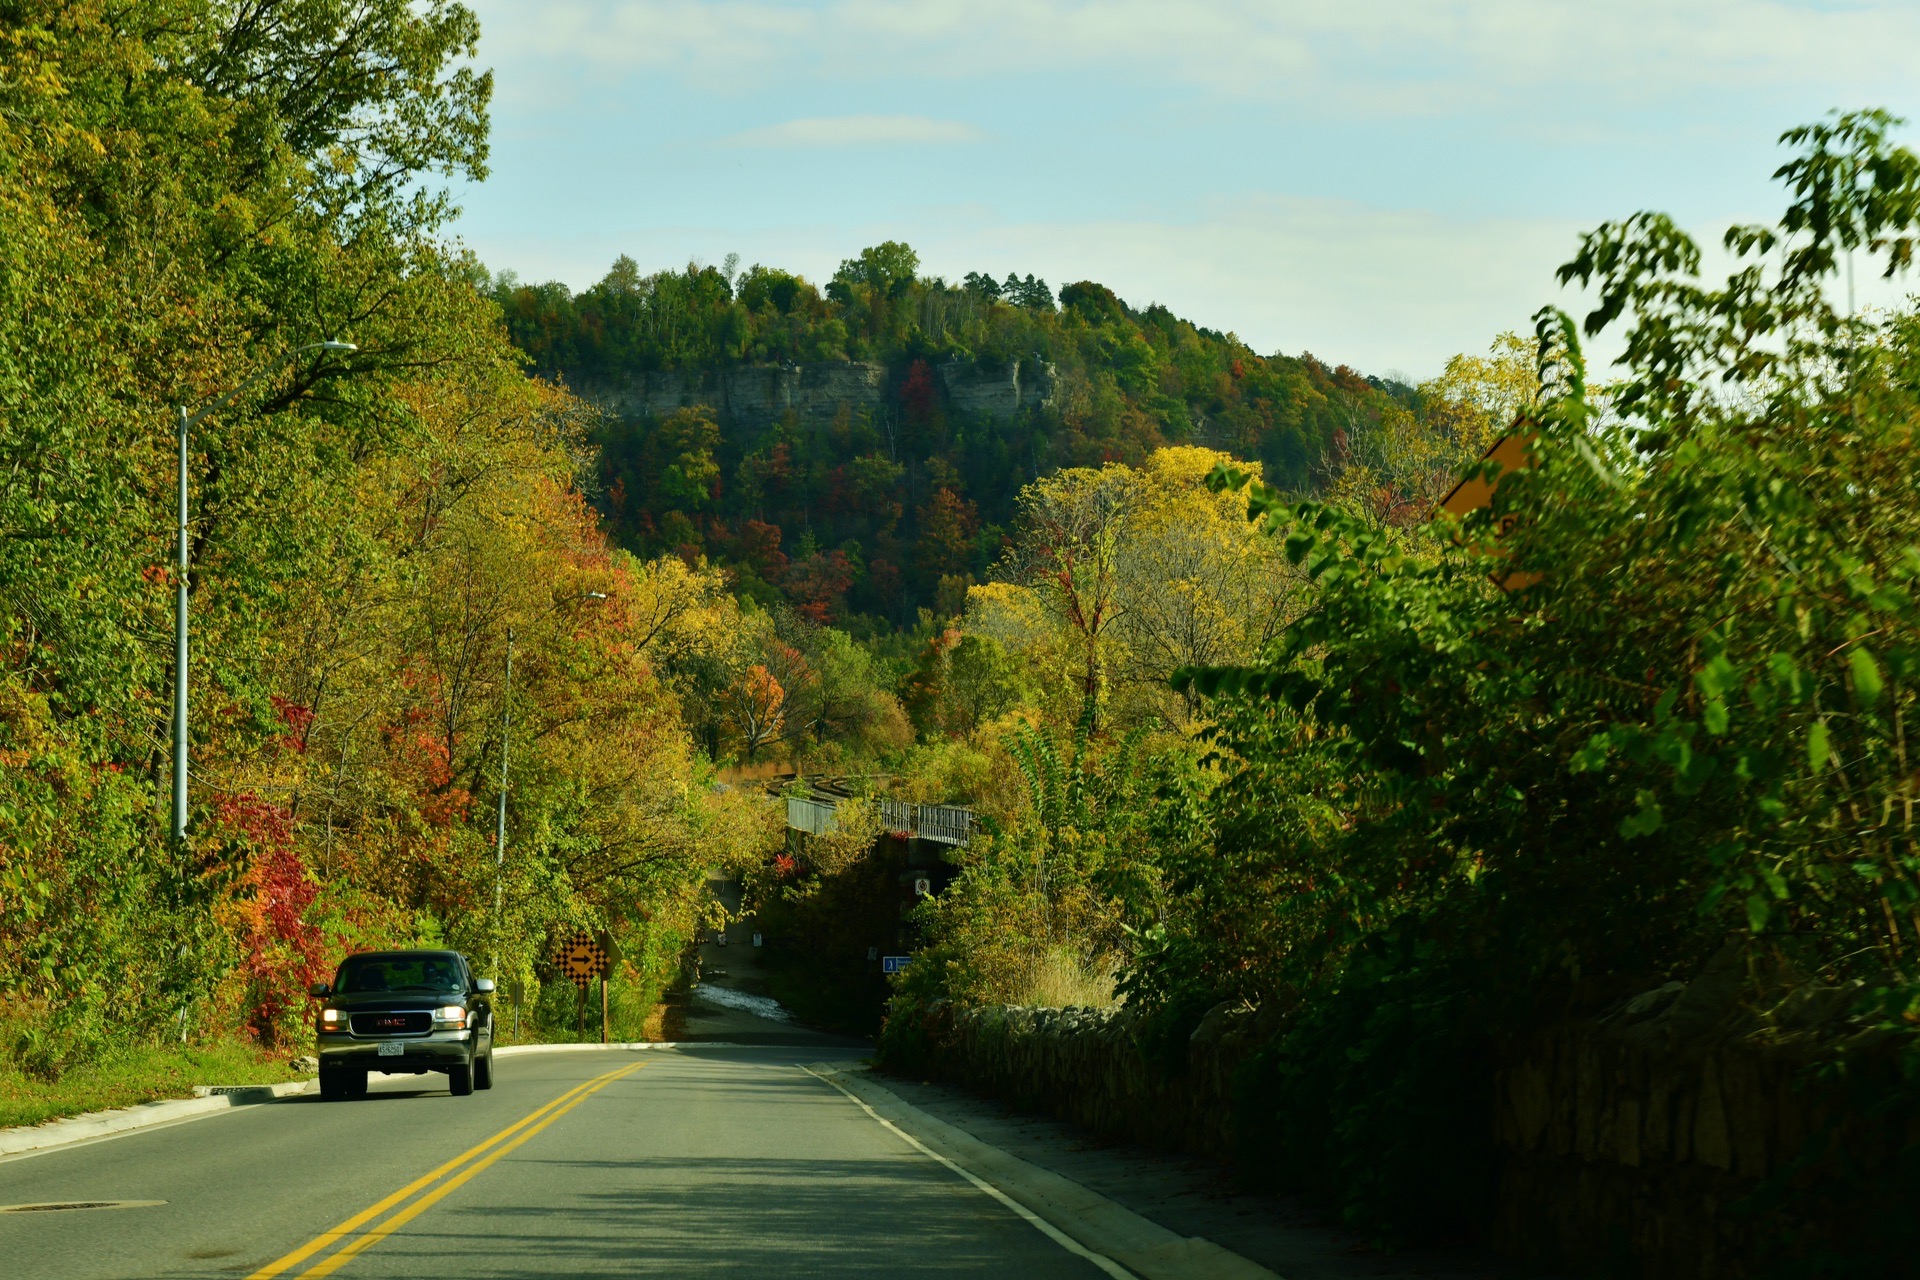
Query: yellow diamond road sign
1514, 452
581, 958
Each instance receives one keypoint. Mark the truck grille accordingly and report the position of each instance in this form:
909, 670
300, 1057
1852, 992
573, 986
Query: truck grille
390, 1024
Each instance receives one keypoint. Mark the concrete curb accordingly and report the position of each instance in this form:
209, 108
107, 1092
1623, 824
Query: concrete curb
107, 1124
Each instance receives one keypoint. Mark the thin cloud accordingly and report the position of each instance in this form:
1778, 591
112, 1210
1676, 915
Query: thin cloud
1386, 57
856, 131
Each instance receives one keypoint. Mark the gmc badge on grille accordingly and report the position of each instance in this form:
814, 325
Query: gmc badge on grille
393, 1022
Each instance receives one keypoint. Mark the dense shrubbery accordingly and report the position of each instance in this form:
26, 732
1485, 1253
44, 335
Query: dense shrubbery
1691, 725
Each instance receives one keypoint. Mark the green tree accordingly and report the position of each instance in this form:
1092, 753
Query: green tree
887, 269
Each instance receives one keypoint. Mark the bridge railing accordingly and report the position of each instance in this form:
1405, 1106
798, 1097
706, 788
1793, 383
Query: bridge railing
815, 817
941, 823
944, 823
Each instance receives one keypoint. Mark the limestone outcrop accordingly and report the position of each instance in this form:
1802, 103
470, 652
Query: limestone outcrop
756, 396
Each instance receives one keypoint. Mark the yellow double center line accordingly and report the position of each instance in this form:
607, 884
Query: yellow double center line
461, 1168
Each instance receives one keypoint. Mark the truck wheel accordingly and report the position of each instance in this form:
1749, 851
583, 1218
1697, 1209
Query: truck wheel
460, 1079
483, 1071
356, 1081
333, 1085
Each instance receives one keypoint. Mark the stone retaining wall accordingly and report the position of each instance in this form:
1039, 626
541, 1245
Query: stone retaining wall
1688, 1134
1635, 1144
1086, 1065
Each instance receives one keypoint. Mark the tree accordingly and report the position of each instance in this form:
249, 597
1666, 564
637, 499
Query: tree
757, 710
887, 269
948, 525
1029, 293
682, 448
818, 585
963, 681
1477, 399
982, 286
1068, 550
843, 700
1147, 570
675, 613
1197, 584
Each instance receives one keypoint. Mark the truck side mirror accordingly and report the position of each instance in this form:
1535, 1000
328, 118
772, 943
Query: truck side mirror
319, 989
483, 985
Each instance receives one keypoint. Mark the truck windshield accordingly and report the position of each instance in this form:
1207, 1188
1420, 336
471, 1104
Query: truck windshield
360, 974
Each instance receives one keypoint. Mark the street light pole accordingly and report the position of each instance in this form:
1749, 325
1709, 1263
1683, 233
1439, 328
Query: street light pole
187, 421
500, 825
500, 811
180, 654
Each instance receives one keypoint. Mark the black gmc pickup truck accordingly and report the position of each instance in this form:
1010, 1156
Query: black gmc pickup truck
404, 1012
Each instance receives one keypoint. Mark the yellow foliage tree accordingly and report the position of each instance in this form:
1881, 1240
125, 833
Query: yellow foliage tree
1122, 575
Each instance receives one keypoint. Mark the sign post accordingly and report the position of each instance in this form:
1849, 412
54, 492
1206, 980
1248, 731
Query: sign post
582, 959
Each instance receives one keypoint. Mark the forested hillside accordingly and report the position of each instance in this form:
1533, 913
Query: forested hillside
870, 509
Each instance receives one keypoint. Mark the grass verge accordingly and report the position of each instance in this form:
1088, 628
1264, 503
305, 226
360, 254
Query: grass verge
136, 1075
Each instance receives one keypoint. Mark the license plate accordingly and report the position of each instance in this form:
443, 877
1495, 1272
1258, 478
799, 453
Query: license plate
392, 1048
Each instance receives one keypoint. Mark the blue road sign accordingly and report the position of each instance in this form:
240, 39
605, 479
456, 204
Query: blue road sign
894, 964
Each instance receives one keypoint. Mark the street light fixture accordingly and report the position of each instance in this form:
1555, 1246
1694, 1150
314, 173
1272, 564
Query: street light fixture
187, 421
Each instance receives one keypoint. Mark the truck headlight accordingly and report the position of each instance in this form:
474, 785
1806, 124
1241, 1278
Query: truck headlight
331, 1020
449, 1017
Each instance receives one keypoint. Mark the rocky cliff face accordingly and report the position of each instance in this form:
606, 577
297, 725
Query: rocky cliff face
756, 396
998, 392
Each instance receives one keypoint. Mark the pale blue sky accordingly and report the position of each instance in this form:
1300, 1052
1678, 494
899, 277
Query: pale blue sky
1381, 182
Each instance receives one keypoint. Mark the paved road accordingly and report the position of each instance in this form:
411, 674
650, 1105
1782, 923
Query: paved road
687, 1162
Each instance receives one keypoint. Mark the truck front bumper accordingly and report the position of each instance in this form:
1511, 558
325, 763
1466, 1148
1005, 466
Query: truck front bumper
434, 1051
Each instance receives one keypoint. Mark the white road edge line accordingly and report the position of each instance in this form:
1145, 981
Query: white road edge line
1033, 1219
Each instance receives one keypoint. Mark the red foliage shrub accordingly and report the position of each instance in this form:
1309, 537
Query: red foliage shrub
296, 718
281, 950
